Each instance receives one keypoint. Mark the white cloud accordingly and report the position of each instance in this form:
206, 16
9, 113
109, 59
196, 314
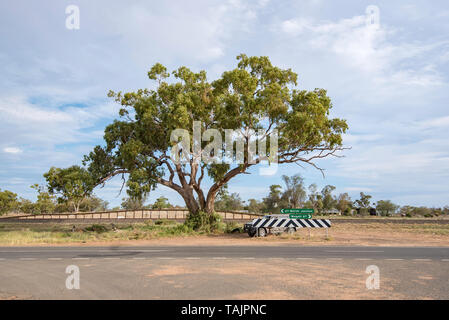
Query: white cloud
349, 139
47, 136
369, 49
296, 26
436, 122
387, 168
390, 83
357, 189
48, 126
12, 150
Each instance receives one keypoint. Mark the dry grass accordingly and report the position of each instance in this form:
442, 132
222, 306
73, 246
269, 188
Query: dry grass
20, 234
166, 232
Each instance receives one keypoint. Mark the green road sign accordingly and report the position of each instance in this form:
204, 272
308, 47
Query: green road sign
300, 216
298, 211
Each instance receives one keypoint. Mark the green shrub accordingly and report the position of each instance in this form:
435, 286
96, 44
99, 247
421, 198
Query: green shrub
179, 229
232, 227
202, 221
98, 228
164, 222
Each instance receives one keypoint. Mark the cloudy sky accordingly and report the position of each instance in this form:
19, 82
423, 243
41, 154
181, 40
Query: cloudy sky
390, 82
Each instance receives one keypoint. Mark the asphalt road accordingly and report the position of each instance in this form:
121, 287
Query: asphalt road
224, 272
259, 252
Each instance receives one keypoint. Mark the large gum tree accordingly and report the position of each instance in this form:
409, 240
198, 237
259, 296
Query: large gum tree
254, 97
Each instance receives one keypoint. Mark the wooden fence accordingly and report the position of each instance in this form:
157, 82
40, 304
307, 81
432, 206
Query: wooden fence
143, 214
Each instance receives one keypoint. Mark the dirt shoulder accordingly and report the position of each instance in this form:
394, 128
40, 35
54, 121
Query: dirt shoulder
373, 234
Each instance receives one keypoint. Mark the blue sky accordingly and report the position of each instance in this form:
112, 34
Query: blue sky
390, 83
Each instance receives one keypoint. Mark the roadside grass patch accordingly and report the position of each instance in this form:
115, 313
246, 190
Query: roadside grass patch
54, 233
19, 234
232, 227
415, 228
99, 228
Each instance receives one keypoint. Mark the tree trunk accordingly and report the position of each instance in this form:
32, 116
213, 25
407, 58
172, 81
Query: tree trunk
190, 202
194, 206
210, 202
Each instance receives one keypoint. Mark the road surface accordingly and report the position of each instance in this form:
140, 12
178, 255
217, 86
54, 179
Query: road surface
224, 272
260, 252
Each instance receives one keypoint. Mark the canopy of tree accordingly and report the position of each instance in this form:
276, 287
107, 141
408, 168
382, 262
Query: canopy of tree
72, 184
8, 201
254, 96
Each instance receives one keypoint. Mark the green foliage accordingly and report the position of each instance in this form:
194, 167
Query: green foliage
228, 202
253, 96
133, 203
45, 202
98, 228
203, 221
295, 193
273, 201
8, 201
26, 206
161, 203
347, 212
344, 203
62, 207
255, 206
217, 171
93, 203
88, 204
315, 198
364, 201
232, 227
72, 184
329, 202
164, 222
386, 207
410, 211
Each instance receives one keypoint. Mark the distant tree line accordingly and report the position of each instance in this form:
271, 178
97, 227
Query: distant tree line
295, 194
71, 190
47, 202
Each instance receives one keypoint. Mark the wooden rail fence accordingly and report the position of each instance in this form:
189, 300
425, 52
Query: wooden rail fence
143, 214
